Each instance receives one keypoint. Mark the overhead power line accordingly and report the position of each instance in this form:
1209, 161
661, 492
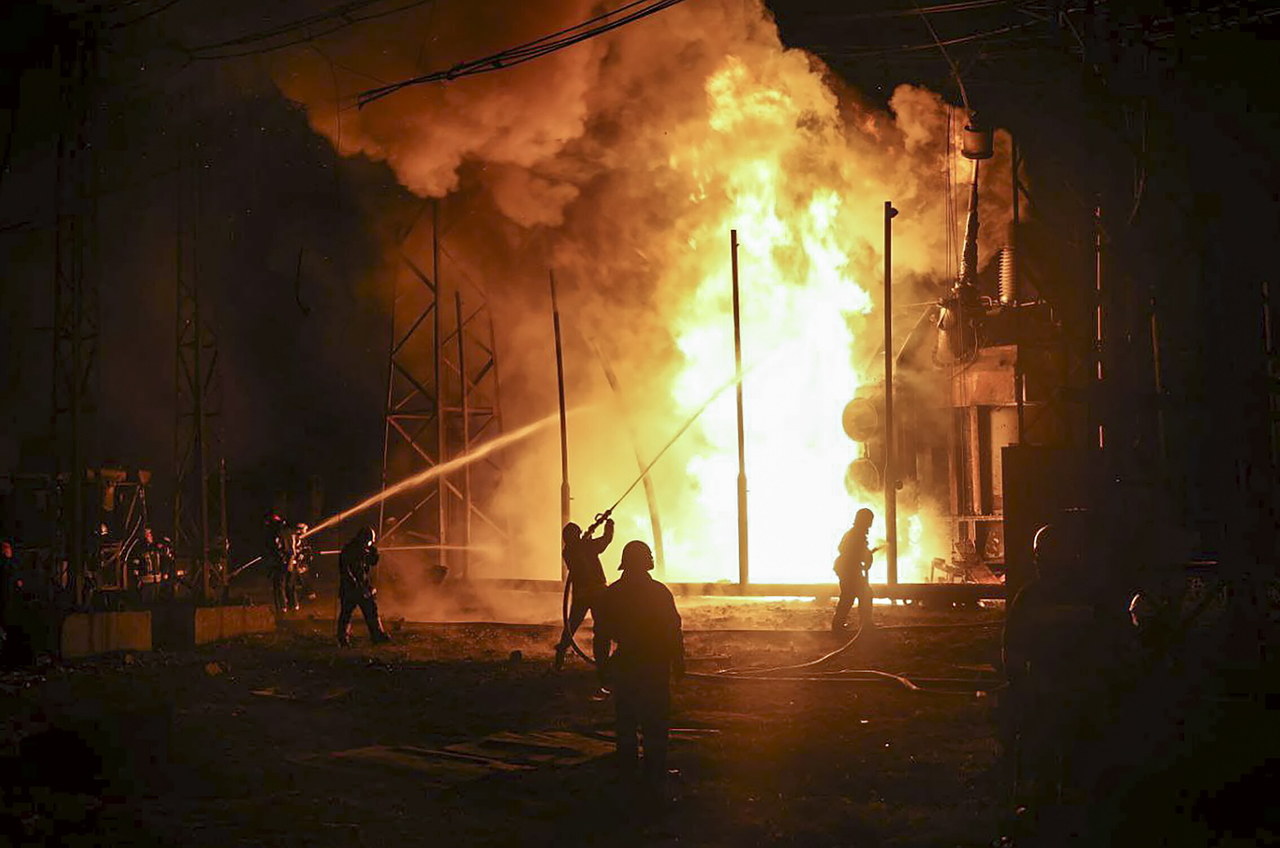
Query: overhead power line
531, 50
299, 31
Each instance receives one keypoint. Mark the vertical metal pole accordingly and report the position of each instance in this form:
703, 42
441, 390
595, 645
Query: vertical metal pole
1098, 339
564, 427
890, 471
198, 373
387, 410
222, 520
179, 296
743, 570
436, 354
1019, 375
466, 437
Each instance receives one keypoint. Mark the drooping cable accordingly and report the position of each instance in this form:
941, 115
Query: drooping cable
547, 44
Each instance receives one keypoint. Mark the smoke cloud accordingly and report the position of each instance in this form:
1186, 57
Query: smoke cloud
623, 163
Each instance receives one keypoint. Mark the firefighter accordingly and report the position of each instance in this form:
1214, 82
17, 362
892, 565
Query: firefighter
851, 567
1062, 648
8, 579
303, 566
585, 578
638, 615
276, 558
355, 588
291, 538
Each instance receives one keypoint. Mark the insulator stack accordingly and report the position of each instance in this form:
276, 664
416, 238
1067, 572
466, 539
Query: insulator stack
1009, 268
1008, 276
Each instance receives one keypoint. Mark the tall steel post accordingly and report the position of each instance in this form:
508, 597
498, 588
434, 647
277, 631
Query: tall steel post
438, 383
743, 570
1019, 374
466, 433
564, 427
1099, 412
890, 470
198, 396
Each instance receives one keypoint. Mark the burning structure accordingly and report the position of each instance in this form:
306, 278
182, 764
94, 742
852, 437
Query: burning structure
622, 165
625, 177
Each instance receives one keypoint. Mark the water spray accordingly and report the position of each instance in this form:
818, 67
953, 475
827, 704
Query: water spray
601, 517
434, 472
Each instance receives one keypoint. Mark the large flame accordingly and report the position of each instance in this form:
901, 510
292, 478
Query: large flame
626, 163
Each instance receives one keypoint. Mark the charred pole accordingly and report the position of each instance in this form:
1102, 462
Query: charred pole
743, 572
564, 424
890, 472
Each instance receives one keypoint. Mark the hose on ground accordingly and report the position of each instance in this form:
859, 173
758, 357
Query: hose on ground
564, 617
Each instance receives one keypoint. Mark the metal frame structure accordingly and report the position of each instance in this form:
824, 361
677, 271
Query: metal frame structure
75, 326
443, 396
199, 536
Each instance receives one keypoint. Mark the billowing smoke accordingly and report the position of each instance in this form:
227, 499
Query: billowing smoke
623, 163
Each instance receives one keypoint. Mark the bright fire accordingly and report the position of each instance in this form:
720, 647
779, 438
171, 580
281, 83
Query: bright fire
624, 163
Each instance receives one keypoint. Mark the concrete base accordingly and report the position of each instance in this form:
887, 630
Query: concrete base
214, 623
88, 633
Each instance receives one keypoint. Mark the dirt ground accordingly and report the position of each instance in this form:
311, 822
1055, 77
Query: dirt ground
234, 743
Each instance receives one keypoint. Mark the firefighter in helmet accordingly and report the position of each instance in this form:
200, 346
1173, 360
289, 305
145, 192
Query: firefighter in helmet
638, 615
851, 567
585, 578
355, 589
276, 558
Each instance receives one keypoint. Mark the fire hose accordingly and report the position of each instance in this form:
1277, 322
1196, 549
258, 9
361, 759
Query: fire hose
799, 672
602, 517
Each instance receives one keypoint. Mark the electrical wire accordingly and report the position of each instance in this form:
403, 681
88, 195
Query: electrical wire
342, 15
527, 52
147, 14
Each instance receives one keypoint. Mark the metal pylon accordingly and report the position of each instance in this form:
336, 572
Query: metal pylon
75, 326
199, 497
443, 397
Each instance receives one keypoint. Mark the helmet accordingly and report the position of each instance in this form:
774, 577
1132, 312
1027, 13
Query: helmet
366, 535
571, 533
863, 518
273, 518
1055, 550
636, 554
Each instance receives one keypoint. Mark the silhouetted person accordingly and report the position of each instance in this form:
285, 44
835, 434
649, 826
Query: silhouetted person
1063, 642
355, 589
8, 577
276, 558
585, 579
293, 564
638, 615
851, 567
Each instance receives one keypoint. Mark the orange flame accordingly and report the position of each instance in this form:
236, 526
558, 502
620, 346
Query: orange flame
625, 162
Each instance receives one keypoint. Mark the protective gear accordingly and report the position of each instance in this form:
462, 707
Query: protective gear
851, 566
276, 557
636, 555
355, 588
639, 614
585, 579
366, 535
